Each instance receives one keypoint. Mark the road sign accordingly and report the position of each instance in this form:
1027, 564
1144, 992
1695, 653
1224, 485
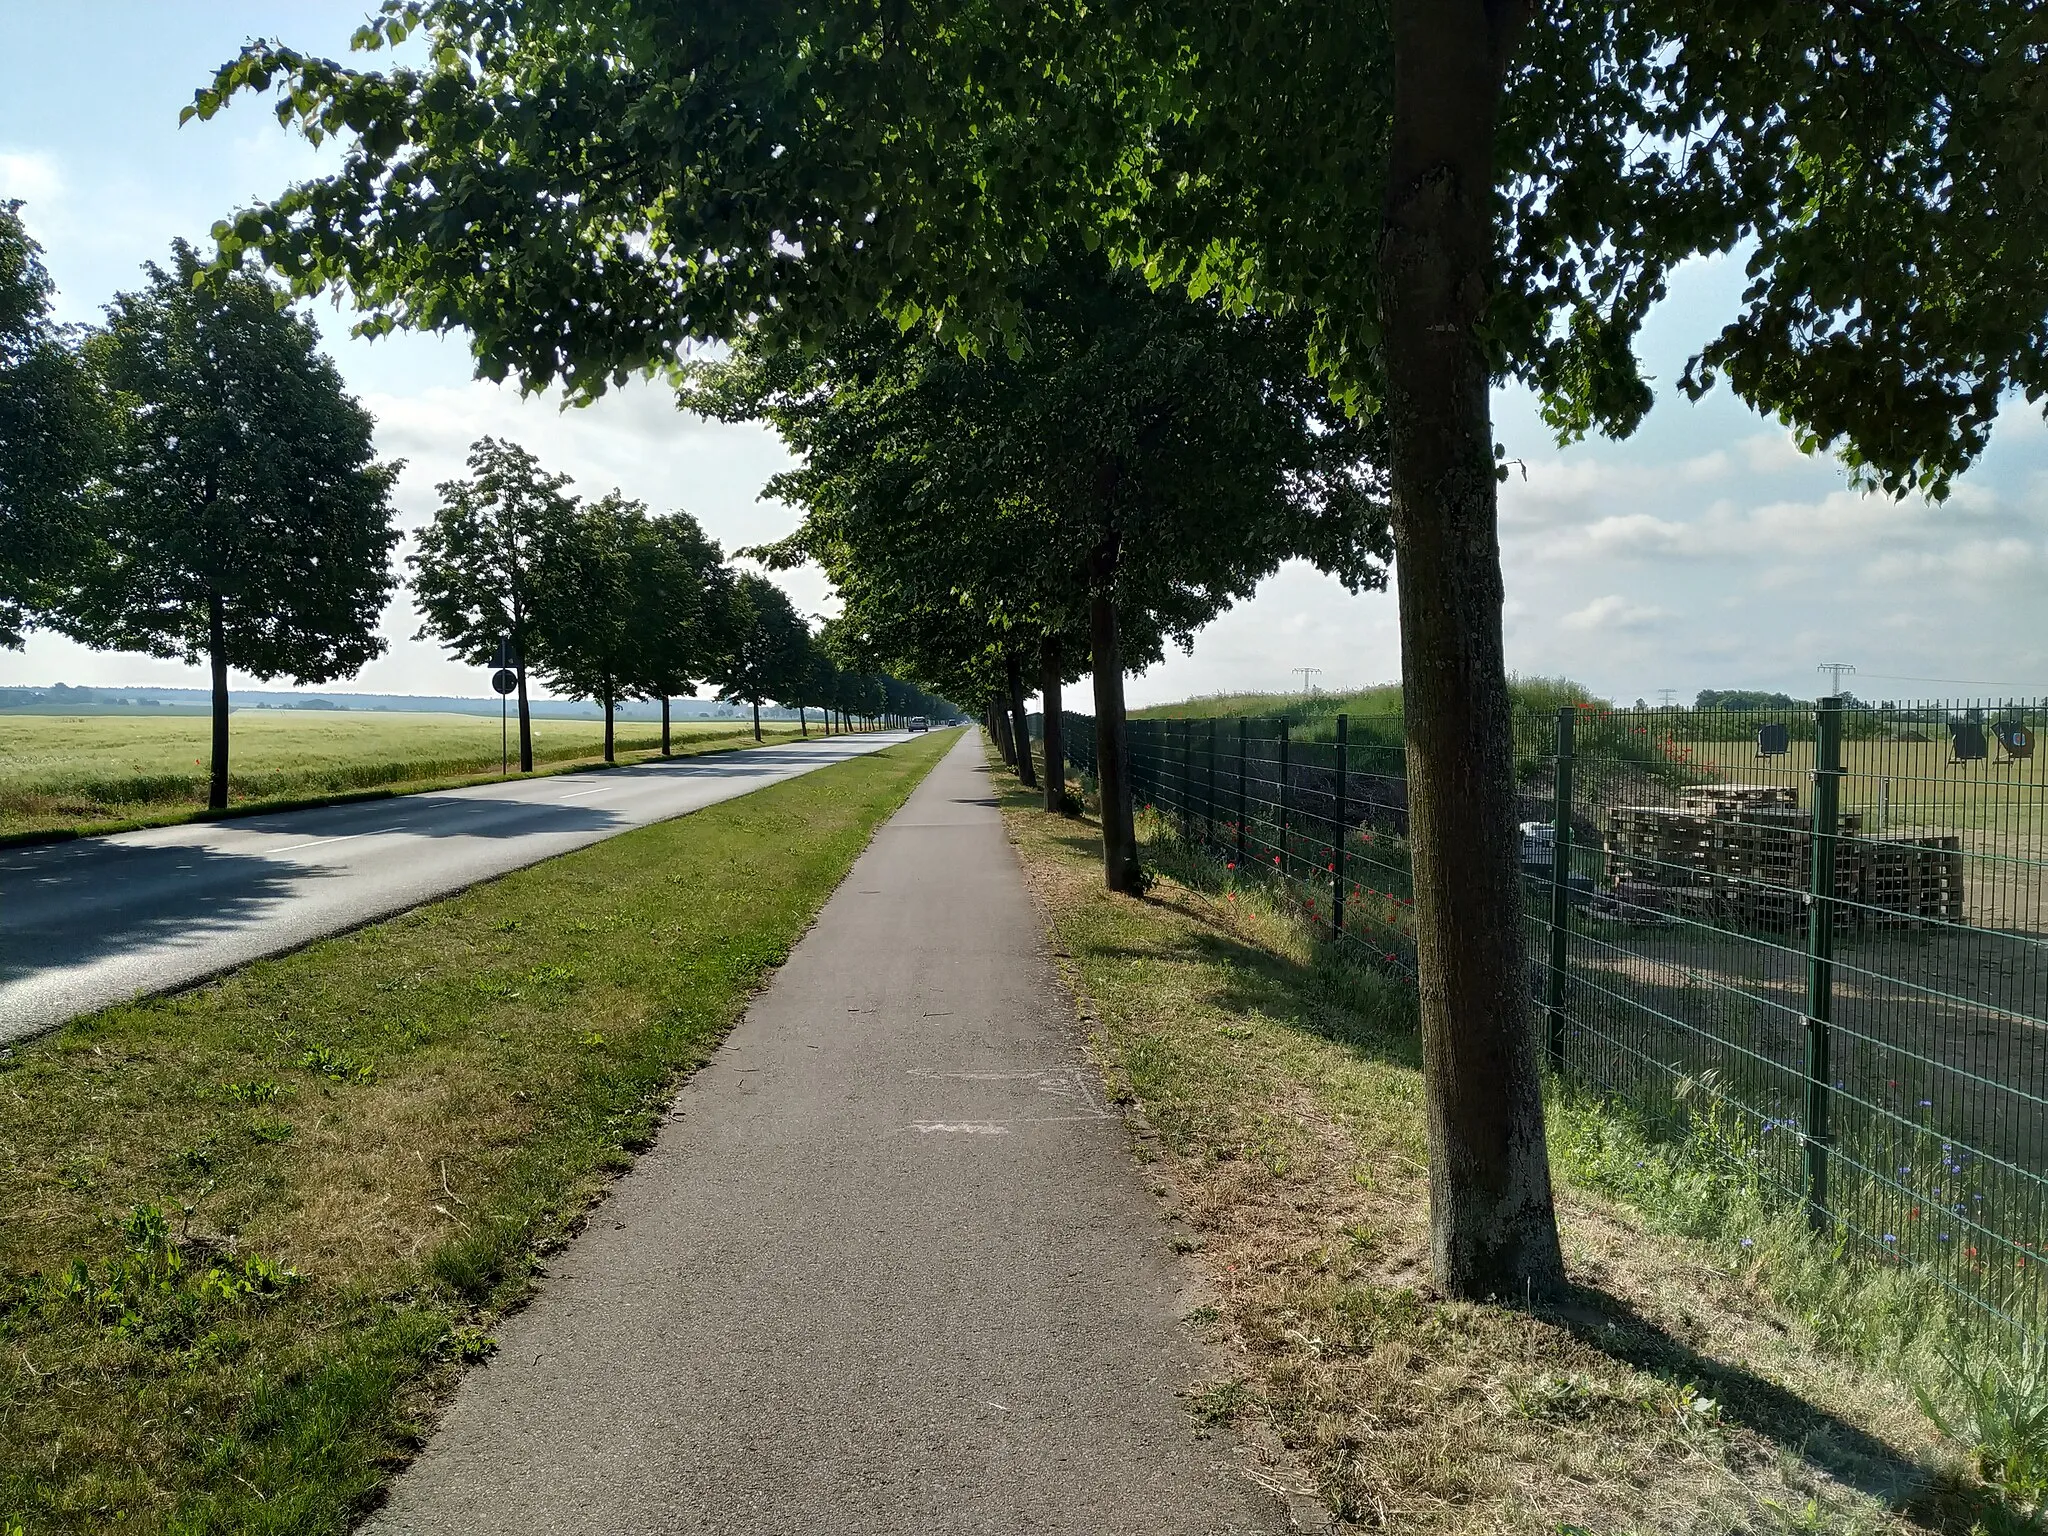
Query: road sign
505, 680
506, 657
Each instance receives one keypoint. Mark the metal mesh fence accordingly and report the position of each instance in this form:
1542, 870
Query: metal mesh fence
1830, 922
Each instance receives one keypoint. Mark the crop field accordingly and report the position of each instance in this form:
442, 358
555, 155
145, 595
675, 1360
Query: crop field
61, 771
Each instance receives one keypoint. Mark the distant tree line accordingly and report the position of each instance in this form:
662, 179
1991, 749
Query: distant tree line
191, 480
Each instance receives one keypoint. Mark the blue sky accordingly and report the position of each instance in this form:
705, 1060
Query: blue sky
1703, 552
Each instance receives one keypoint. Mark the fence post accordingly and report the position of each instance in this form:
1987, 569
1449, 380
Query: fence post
1209, 791
1240, 793
1286, 842
1187, 781
1337, 839
1560, 887
1820, 954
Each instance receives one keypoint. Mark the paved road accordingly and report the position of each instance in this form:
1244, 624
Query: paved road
97, 921
889, 1268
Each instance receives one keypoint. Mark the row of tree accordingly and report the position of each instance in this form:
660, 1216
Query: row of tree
191, 480
606, 602
1000, 525
1442, 196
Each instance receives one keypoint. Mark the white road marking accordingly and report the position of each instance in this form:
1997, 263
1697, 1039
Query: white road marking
327, 842
972, 1128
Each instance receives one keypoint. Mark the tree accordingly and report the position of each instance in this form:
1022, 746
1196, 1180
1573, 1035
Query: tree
682, 604
1140, 468
53, 429
1456, 191
588, 642
243, 516
770, 647
474, 571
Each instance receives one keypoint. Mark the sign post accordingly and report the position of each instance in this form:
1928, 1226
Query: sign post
504, 680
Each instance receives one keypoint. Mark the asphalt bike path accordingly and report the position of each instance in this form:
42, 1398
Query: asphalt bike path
889, 1267
102, 920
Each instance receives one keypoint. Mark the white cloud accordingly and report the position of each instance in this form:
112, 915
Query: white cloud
1612, 612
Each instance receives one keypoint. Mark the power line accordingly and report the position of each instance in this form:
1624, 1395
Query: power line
1958, 682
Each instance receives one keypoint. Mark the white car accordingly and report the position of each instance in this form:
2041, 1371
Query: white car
919, 723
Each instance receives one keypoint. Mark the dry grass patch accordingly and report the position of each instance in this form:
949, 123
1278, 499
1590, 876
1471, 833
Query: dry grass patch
1276, 1091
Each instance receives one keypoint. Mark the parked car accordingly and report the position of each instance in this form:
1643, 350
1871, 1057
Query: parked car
919, 723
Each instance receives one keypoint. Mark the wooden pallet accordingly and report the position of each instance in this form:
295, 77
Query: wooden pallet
1755, 860
1712, 799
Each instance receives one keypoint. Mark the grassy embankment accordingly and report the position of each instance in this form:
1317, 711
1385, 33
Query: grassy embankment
1374, 711
93, 772
252, 1233
1714, 1372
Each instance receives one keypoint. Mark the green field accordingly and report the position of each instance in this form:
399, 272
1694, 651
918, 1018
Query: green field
67, 771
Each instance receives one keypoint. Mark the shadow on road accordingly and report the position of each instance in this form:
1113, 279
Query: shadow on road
121, 899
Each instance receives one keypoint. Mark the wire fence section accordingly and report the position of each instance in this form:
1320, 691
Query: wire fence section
1825, 927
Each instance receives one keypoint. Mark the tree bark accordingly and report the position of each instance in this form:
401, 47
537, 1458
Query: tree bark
525, 715
217, 655
608, 702
999, 727
1120, 870
1492, 1227
757, 719
664, 725
1055, 735
525, 725
1020, 723
802, 725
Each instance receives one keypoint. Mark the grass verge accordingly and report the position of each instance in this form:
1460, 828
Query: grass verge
253, 1232
49, 815
1275, 1088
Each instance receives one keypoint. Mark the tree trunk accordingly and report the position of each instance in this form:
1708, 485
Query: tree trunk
525, 722
1055, 735
1020, 724
217, 654
757, 719
664, 725
608, 725
1493, 1232
999, 727
1120, 871
802, 725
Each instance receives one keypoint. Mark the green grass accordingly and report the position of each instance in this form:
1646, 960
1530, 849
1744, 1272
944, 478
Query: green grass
71, 772
1695, 1382
254, 1232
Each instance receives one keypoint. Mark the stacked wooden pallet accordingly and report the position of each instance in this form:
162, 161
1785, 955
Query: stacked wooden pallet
1657, 844
1743, 855
1716, 799
1912, 880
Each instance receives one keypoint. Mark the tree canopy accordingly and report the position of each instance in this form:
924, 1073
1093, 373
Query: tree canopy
475, 565
52, 431
769, 658
242, 515
1160, 455
588, 639
1876, 166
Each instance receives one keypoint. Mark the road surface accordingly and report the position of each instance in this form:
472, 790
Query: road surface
889, 1268
105, 919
